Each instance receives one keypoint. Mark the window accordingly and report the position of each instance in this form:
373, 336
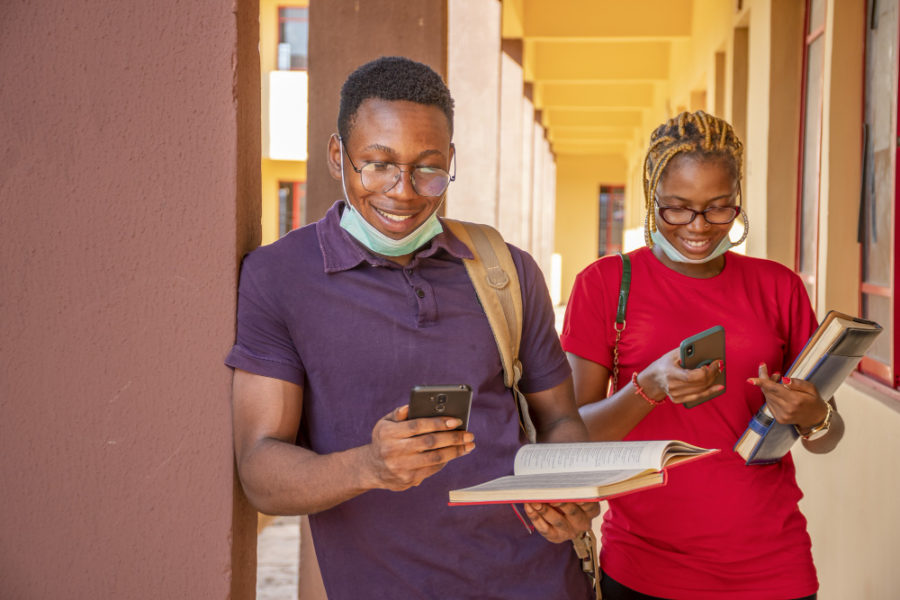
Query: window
293, 38
878, 209
810, 145
612, 217
290, 205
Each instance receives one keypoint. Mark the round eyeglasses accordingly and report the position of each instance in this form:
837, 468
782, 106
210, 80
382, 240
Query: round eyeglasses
381, 176
714, 215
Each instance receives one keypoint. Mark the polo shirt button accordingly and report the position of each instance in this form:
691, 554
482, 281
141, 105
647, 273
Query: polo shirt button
420, 293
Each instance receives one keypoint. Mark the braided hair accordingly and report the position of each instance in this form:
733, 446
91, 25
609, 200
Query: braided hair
692, 134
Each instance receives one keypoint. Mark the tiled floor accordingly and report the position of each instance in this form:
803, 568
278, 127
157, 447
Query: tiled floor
278, 560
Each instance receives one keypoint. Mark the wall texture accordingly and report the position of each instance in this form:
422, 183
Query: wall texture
129, 185
578, 181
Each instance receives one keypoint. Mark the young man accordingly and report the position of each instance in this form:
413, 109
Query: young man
338, 320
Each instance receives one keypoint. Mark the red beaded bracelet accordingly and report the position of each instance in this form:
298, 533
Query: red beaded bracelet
640, 391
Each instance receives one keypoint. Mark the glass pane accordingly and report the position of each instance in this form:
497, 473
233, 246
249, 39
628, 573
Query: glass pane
285, 207
816, 15
604, 222
293, 29
878, 309
880, 111
809, 199
618, 219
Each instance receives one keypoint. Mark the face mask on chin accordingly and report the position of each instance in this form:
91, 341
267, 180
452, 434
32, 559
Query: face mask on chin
366, 234
660, 240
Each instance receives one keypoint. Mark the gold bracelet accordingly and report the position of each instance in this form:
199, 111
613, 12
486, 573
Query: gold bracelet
821, 428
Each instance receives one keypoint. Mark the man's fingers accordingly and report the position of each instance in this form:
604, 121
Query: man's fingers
398, 414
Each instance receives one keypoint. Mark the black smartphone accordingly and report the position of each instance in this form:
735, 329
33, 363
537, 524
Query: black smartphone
441, 401
702, 349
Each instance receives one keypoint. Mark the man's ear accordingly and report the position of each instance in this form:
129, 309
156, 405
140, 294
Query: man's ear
334, 156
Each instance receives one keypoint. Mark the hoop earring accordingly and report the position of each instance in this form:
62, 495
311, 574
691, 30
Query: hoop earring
746, 230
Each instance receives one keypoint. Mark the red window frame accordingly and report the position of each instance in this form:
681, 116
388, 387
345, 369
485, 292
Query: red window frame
610, 246
282, 19
298, 195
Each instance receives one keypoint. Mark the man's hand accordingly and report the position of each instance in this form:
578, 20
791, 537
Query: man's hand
404, 452
559, 522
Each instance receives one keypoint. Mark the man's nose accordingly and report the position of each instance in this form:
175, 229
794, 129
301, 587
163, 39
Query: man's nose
404, 186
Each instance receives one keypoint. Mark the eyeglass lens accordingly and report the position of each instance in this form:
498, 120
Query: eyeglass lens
380, 177
714, 215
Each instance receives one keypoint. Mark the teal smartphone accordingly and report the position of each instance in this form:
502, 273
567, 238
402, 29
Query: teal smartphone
702, 349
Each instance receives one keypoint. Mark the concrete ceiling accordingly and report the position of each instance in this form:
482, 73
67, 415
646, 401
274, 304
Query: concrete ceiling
595, 66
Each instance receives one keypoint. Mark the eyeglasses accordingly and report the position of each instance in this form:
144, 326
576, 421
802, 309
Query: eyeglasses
714, 215
381, 176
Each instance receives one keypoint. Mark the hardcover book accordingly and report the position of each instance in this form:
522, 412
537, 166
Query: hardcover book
830, 355
581, 472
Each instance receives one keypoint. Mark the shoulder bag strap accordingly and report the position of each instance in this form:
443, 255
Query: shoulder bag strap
619, 325
493, 274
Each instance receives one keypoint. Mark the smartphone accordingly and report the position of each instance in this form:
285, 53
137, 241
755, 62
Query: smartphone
702, 349
441, 401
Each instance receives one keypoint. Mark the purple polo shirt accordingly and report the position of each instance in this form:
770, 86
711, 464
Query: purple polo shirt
358, 332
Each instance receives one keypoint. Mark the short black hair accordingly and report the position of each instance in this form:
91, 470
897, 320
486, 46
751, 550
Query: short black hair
392, 78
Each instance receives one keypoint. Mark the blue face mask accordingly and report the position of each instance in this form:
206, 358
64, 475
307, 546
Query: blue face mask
366, 234
676, 256
363, 232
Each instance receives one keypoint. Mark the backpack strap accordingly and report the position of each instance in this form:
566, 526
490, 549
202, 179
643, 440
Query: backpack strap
496, 281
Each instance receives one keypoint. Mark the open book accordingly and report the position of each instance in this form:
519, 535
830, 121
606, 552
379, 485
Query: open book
830, 355
581, 471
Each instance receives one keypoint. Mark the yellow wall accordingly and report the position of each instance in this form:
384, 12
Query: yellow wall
850, 500
578, 180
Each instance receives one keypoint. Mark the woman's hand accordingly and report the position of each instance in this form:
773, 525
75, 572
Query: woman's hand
792, 401
665, 377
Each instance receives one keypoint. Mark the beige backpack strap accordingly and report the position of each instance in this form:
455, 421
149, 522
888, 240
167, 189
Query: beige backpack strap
493, 274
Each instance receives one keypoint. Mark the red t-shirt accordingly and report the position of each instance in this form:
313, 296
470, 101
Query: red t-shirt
718, 528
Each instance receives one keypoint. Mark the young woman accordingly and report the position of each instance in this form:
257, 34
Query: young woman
719, 528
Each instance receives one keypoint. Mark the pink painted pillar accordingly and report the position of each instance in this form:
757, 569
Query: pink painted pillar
129, 187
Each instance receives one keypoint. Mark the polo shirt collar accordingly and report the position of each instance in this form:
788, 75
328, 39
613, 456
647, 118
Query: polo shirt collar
341, 252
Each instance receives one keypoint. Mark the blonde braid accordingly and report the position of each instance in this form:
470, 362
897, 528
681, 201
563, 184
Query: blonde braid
688, 133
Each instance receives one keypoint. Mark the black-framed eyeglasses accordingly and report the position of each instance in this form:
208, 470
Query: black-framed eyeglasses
381, 176
714, 215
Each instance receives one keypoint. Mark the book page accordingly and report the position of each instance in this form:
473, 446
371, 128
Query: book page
589, 456
558, 480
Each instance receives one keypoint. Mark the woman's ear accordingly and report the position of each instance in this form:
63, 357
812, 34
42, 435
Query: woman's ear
334, 156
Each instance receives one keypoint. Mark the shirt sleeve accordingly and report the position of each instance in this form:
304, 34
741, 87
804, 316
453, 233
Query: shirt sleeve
544, 364
588, 323
263, 344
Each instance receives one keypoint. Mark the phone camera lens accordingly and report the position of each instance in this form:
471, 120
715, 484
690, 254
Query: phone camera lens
690, 351
442, 398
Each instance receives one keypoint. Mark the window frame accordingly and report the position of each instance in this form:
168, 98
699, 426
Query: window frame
811, 280
885, 373
298, 204
612, 190
278, 22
